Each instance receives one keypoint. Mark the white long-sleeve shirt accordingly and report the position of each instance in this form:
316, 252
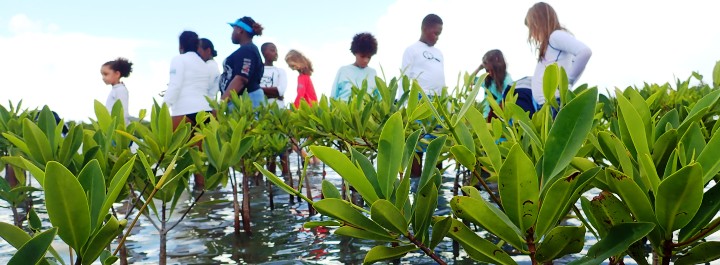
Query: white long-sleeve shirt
569, 53
191, 80
119, 92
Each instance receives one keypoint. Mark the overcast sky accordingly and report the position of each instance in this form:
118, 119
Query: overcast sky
51, 51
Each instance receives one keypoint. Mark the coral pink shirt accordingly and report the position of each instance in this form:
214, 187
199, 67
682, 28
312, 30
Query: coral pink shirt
305, 91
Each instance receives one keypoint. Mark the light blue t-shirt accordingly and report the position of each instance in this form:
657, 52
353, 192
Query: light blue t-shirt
350, 75
497, 93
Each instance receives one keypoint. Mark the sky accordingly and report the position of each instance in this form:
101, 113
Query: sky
51, 51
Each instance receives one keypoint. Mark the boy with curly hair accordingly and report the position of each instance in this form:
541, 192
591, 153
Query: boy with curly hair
363, 46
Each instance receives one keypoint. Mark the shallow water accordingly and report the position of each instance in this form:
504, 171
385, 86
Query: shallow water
206, 236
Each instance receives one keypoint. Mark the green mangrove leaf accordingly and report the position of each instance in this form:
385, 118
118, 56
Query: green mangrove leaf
489, 217
66, 205
364, 234
390, 153
702, 253
561, 240
708, 209
34, 249
329, 190
386, 215
341, 210
567, 135
440, 229
619, 238
464, 156
347, 170
679, 197
478, 248
380, 253
92, 180
519, 189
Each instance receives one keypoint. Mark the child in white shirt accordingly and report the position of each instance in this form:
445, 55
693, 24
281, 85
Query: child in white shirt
111, 73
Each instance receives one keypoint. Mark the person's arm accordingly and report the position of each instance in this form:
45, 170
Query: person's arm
566, 42
236, 84
407, 63
282, 83
300, 91
334, 90
214, 85
124, 96
177, 71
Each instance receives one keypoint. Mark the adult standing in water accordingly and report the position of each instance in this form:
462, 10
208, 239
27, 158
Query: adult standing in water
191, 81
243, 69
554, 45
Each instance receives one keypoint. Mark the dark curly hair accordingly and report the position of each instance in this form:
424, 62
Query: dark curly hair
122, 65
364, 43
256, 27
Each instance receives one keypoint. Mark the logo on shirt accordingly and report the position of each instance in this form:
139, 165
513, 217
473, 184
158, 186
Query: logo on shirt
428, 55
246, 66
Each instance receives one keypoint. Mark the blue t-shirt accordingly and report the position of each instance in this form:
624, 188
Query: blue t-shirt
245, 62
350, 75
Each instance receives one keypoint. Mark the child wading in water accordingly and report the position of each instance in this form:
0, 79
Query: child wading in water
305, 90
111, 73
363, 46
274, 84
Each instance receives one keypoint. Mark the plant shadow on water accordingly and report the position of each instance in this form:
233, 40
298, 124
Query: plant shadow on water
206, 235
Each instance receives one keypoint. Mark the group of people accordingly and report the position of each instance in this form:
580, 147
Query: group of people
194, 75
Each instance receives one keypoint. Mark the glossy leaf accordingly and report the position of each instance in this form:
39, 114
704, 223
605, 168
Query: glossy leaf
380, 253
390, 153
37, 143
368, 169
551, 81
341, 210
619, 238
709, 207
363, 234
431, 159
464, 156
34, 220
476, 120
708, 158
425, 205
386, 215
93, 183
66, 205
329, 190
561, 240
478, 248
558, 199
313, 224
679, 197
100, 240
702, 253
34, 250
347, 170
567, 135
489, 217
519, 189
116, 185
439, 230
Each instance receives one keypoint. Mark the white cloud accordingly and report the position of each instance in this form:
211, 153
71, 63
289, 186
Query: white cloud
44, 66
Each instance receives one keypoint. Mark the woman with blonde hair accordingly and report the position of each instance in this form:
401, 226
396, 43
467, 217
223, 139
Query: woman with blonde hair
305, 90
554, 45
